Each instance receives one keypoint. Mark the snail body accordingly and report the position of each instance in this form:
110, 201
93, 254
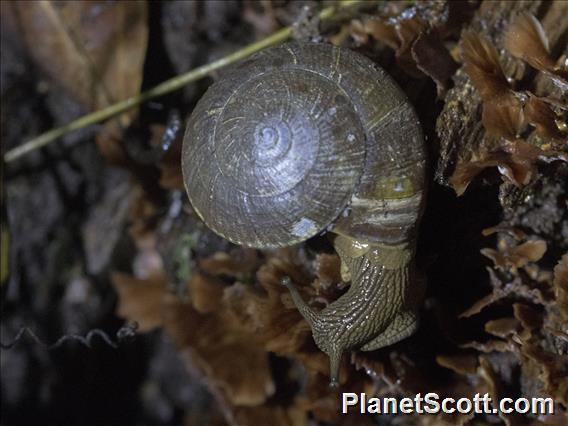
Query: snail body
308, 137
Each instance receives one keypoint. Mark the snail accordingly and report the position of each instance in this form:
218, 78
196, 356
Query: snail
303, 138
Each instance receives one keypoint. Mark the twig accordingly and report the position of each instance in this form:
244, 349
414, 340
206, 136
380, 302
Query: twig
124, 333
163, 88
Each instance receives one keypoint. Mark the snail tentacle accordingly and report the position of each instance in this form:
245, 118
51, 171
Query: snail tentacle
308, 313
377, 310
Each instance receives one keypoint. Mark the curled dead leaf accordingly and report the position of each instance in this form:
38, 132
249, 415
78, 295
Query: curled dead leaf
550, 369
399, 34
518, 172
418, 46
480, 304
140, 300
462, 364
380, 30
528, 317
269, 313
408, 30
514, 257
502, 327
94, 50
516, 233
482, 65
490, 346
501, 290
218, 346
516, 161
234, 264
434, 60
526, 40
206, 293
503, 116
542, 117
261, 15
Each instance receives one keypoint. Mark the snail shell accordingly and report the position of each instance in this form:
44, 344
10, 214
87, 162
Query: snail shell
302, 138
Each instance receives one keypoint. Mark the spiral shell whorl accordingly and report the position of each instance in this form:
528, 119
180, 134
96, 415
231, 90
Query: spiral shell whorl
273, 155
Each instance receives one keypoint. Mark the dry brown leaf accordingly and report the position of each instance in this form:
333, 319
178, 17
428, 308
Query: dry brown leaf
542, 117
379, 30
262, 17
514, 257
518, 172
485, 371
528, 154
496, 294
234, 264
517, 162
399, 35
434, 60
356, 30
502, 327
269, 313
552, 371
278, 324
490, 346
495, 388
526, 40
516, 233
222, 351
109, 142
530, 251
140, 300
481, 63
418, 47
501, 290
93, 49
503, 116
206, 293
482, 303
408, 30
462, 364
529, 318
